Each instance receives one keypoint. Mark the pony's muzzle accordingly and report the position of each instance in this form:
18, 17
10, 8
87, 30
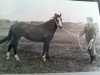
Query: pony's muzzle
60, 27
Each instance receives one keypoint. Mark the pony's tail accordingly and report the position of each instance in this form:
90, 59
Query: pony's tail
7, 38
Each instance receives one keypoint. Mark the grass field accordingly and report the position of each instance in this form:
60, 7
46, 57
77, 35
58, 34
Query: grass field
65, 55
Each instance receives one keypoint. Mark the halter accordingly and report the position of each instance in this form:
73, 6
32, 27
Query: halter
55, 21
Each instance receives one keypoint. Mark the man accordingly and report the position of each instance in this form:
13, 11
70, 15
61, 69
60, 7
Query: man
90, 32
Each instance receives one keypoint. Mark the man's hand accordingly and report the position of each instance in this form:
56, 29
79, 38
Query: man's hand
91, 43
80, 35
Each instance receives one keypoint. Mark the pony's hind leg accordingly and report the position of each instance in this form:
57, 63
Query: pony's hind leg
15, 44
9, 48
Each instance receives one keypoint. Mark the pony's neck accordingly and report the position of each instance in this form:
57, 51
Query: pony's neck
52, 25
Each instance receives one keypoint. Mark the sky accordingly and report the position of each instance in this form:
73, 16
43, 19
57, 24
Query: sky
43, 10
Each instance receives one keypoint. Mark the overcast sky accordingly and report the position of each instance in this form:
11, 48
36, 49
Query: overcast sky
43, 10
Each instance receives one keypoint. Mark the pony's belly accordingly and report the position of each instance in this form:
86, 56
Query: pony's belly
37, 39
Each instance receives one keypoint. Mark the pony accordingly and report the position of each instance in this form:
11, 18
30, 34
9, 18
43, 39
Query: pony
38, 33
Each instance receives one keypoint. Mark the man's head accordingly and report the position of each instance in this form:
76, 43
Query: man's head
90, 20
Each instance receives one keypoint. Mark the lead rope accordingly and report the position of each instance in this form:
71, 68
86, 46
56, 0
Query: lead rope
78, 40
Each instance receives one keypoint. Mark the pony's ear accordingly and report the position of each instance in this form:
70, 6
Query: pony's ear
55, 14
60, 15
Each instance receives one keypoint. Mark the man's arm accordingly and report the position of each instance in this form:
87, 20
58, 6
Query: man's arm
96, 30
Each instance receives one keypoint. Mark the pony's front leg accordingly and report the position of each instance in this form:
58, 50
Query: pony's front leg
45, 51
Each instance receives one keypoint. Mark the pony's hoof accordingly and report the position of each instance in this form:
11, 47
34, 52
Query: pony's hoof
17, 59
7, 58
93, 62
44, 60
90, 61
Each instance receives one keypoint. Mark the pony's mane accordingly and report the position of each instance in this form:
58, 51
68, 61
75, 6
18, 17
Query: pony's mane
52, 18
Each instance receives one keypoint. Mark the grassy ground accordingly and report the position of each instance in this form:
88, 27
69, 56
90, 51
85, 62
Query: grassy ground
65, 55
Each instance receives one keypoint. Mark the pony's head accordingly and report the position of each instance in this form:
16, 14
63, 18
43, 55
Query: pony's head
58, 20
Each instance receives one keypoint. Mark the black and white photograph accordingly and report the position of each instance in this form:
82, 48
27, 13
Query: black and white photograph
49, 36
